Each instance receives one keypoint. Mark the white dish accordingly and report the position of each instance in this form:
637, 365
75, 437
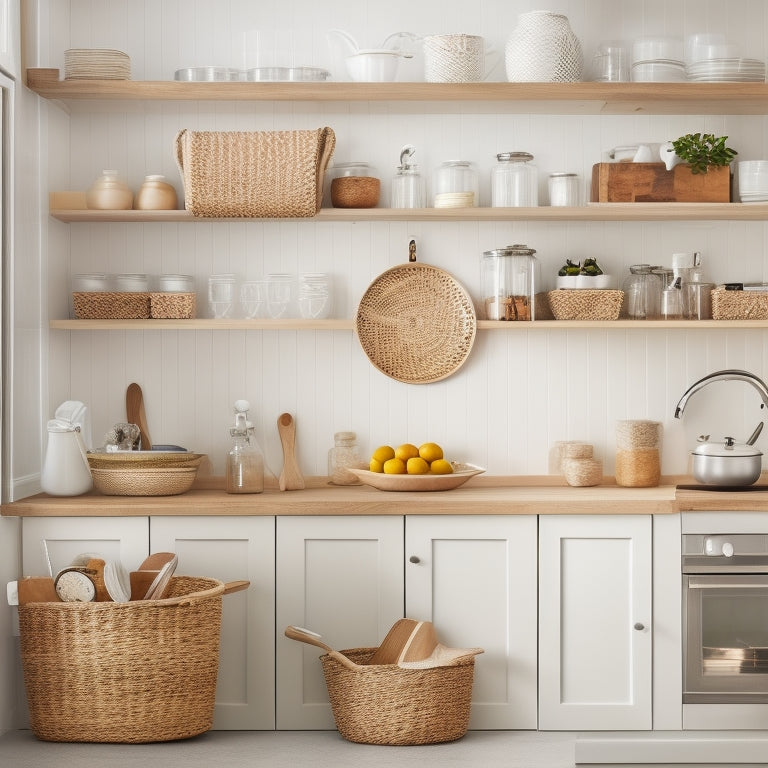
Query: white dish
584, 282
461, 473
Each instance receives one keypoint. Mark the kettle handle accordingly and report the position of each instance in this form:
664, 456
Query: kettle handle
81, 446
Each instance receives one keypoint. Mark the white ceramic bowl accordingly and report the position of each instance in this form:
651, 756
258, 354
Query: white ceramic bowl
658, 72
584, 282
373, 66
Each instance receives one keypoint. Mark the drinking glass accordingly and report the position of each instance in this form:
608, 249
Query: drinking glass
253, 296
221, 294
279, 292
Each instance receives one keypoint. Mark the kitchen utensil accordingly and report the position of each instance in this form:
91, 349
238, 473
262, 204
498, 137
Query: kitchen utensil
421, 643
395, 641
134, 408
65, 469
461, 473
416, 323
752, 439
726, 463
291, 478
312, 638
369, 64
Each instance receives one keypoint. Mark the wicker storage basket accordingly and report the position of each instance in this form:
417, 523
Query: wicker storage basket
172, 306
386, 704
587, 304
132, 672
739, 305
144, 481
111, 305
254, 173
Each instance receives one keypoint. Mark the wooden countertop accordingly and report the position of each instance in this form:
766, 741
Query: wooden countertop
539, 495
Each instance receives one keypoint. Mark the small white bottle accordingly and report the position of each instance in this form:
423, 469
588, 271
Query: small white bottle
245, 462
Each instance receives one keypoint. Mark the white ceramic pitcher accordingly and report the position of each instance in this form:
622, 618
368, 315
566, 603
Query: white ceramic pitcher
65, 469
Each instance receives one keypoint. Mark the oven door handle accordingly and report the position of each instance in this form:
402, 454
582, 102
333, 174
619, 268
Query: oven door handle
728, 582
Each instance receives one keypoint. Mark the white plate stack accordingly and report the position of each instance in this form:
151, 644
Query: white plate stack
658, 60
96, 64
710, 58
753, 181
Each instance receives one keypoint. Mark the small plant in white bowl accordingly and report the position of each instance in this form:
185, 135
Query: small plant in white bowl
578, 275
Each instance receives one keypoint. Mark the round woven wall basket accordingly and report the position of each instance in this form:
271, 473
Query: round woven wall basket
416, 323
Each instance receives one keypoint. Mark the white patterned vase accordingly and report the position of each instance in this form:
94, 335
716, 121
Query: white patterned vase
543, 49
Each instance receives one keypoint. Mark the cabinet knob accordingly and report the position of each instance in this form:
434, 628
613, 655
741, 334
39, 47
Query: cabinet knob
413, 559
639, 626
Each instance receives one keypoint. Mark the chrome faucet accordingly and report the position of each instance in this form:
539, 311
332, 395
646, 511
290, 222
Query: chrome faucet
729, 375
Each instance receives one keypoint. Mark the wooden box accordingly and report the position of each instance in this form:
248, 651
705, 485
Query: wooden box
653, 183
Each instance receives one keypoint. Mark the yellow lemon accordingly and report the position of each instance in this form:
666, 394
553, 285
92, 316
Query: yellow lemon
376, 466
417, 466
394, 467
430, 452
383, 453
406, 451
441, 467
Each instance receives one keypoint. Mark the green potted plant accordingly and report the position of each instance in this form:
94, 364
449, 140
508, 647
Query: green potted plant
700, 151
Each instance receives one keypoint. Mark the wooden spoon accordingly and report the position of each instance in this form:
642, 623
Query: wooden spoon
395, 641
312, 638
291, 478
134, 409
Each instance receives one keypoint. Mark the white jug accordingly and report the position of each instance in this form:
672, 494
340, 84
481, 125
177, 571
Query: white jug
65, 469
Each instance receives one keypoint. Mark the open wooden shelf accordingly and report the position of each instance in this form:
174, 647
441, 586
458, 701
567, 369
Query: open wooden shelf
586, 98
590, 212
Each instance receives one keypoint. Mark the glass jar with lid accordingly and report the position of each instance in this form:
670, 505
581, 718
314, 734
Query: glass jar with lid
514, 181
642, 293
344, 455
109, 193
354, 185
408, 184
156, 194
510, 279
456, 185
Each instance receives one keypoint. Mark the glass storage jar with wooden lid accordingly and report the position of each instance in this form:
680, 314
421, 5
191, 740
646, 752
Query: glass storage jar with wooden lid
510, 279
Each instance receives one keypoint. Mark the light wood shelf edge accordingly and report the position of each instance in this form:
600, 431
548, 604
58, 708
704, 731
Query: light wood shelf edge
204, 324
578, 98
590, 212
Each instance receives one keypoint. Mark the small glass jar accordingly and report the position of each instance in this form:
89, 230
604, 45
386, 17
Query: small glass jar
127, 283
221, 294
176, 283
353, 185
408, 184
92, 282
344, 454
456, 185
245, 463
642, 293
109, 193
510, 279
156, 194
314, 295
638, 456
514, 181
564, 189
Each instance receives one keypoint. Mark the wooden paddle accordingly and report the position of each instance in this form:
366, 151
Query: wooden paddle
291, 478
134, 409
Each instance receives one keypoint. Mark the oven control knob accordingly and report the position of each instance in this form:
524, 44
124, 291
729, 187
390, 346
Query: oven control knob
728, 549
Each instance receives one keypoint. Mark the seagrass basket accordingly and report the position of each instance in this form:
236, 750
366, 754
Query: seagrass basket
386, 704
586, 304
135, 672
111, 305
739, 305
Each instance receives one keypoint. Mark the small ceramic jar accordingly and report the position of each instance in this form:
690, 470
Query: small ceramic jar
156, 194
109, 193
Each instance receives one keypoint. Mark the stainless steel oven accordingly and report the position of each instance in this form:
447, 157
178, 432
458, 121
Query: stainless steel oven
725, 618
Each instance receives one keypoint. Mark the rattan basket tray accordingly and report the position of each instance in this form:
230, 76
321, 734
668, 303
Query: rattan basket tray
135, 672
143, 481
416, 323
739, 305
587, 304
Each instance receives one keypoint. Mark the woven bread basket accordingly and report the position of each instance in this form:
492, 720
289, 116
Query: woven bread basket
144, 459
135, 672
416, 323
259, 174
588, 304
386, 704
141, 481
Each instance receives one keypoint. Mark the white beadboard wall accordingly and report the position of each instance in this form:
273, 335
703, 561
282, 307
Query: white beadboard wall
520, 390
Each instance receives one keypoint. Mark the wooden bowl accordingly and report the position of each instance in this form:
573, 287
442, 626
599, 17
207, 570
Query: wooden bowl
461, 473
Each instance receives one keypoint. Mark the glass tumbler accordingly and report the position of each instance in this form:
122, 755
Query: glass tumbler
221, 294
279, 294
314, 295
253, 298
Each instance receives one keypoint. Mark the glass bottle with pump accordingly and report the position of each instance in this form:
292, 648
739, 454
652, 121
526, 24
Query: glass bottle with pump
245, 462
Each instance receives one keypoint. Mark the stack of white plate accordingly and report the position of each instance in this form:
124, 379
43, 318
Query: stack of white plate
752, 176
732, 70
96, 64
455, 200
658, 60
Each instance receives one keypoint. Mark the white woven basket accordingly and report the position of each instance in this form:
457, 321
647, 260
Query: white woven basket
454, 58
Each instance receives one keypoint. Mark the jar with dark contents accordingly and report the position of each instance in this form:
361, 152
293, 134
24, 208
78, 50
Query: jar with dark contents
354, 186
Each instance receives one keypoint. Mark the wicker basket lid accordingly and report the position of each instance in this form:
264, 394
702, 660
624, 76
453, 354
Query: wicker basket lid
416, 323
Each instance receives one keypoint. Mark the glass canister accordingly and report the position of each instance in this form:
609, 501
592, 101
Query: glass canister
456, 185
156, 194
344, 454
514, 181
642, 293
510, 279
314, 295
408, 184
131, 283
245, 461
109, 193
353, 185
564, 189
638, 453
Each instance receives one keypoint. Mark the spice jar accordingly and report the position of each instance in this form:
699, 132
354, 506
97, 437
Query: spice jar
456, 185
341, 457
510, 278
514, 181
638, 458
353, 186
156, 194
564, 189
408, 185
109, 193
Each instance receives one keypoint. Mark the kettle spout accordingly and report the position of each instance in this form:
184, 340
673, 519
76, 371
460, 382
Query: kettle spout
728, 375
346, 44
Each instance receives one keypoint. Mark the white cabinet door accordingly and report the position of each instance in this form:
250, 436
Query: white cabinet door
475, 579
343, 578
61, 539
595, 622
229, 549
